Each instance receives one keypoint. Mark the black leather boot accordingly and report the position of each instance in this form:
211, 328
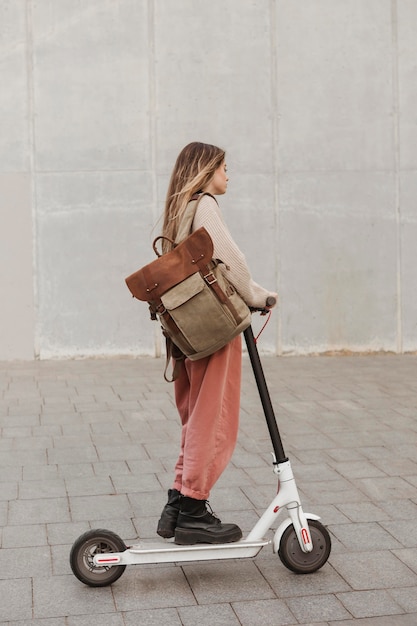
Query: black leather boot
195, 524
168, 520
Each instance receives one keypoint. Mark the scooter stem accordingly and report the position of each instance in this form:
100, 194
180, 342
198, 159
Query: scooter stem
264, 396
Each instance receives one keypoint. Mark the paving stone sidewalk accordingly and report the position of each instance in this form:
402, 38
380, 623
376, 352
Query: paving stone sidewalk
92, 443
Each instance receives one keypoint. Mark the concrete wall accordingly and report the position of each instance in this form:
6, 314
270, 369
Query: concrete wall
314, 101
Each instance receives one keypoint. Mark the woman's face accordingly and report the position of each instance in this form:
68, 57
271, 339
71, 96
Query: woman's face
218, 184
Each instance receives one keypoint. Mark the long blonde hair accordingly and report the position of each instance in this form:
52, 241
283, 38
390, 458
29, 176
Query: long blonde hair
193, 170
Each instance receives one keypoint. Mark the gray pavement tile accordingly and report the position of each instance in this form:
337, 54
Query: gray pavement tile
8, 490
357, 437
10, 473
373, 570
227, 581
109, 619
406, 597
362, 512
6, 445
144, 466
64, 533
32, 443
151, 617
16, 599
317, 608
246, 520
287, 585
122, 526
25, 562
47, 488
114, 468
105, 441
262, 612
235, 477
60, 560
247, 461
386, 489
99, 507
358, 469
331, 492
409, 557
411, 479
345, 455
400, 510
90, 486
53, 621
24, 536
80, 454
121, 452
218, 614
76, 470
403, 531
369, 603
398, 620
16, 431
152, 588
40, 472
364, 536
315, 472
18, 458
225, 499
3, 513
260, 496
43, 510
366, 489
61, 418
330, 514
75, 426
146, 526
135, 483
66, 441
147, 503
59, 596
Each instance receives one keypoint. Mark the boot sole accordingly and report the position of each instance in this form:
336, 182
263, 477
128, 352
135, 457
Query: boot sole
166, 534
186, 537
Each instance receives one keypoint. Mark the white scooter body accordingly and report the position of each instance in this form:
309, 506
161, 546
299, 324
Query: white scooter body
168, 552
99, 557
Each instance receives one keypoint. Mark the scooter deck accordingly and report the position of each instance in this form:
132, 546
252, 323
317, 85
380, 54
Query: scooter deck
173, 553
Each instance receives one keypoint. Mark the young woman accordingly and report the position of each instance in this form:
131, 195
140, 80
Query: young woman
207, 391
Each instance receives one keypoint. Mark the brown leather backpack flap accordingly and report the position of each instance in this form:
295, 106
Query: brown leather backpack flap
154, 279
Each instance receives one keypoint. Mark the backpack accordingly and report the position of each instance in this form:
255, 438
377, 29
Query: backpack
198, 308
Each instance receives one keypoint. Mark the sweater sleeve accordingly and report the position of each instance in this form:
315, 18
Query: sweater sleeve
234, 264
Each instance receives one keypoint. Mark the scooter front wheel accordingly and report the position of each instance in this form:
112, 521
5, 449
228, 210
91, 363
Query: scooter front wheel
82, 554
301, 562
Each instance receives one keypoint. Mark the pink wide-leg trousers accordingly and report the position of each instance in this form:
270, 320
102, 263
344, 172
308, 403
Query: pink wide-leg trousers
207, 394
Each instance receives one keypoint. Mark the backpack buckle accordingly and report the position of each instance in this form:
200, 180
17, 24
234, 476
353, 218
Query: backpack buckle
210, 278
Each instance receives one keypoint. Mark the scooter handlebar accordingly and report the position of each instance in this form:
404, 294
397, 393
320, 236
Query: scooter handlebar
270, 302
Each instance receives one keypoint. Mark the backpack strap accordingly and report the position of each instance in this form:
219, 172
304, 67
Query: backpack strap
186, 223
174, 355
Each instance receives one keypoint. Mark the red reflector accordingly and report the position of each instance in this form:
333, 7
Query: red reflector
305, 536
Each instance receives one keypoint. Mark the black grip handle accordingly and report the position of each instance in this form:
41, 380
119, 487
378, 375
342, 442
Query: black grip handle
271, 301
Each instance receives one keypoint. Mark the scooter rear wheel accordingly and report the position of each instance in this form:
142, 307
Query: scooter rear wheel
301, 562
82, 553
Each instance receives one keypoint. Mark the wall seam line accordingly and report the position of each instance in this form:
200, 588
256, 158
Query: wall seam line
396, 133
275, 141
32, 173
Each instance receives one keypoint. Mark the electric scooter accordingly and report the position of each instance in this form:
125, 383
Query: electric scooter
99, 557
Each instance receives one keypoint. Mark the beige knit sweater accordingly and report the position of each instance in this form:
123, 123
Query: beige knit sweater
226, 250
